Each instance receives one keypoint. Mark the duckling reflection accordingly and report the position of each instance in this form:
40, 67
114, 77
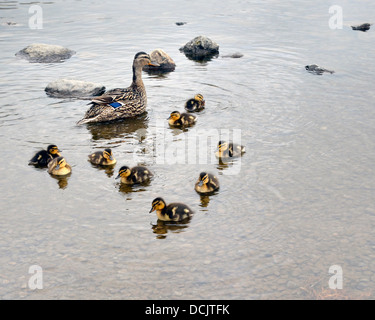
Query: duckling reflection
62, 181
117, 129
161, 228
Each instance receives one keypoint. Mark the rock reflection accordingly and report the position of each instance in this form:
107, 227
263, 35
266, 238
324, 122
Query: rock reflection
117, 129
161, 228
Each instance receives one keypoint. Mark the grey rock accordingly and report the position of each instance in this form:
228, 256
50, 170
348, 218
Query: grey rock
200, 48
363, 27
166, 63
45, 53
313, 68
66, 88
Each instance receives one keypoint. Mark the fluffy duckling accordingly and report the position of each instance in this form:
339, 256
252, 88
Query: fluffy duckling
103, 158
178, 119
229, 150
43, 157
59, 167
195, 104
171, 212
134, 175
207, 183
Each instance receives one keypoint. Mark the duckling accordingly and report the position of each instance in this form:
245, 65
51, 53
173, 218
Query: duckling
229, 150
207, 183
43, 157
103, 158
171, 212
59, 167
134, 175
178, 119
195, 104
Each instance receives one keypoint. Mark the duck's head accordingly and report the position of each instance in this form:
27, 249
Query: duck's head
142, 59
61, 163
203, 179
107, 154
158, 204
53, 149
222, 146
123, 172
175, 115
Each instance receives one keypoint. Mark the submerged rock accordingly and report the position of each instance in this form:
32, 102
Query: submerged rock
313, 68
235, 55
66, 88
200, 48
363, 27
181, 23
45, 53
166, 63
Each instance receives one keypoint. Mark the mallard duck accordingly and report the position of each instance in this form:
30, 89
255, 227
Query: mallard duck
171, 212
103, 158
195, 104
59, 167
229, 150
177, 119
43, 157
134, 175
207, 183
121, 103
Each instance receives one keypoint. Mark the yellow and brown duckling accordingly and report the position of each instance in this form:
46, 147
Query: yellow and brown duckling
177, 119
195, 104
102, 158
134, 175
59, 167
171, 212
43, 157
229, 150
207, 183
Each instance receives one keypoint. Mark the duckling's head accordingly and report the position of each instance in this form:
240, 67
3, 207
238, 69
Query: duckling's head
203, 179
158, 204
124, 172
107, 154
199, 97
222, 146
175, 115
53, 149
61, 163
142, 59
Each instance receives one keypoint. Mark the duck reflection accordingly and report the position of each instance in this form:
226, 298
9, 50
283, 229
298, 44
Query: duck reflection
161, 228
126, 188
117, 129
62, 181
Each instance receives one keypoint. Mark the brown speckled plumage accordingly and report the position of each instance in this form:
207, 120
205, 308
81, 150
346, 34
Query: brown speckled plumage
121, 103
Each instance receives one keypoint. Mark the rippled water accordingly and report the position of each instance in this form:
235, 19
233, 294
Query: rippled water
299, 201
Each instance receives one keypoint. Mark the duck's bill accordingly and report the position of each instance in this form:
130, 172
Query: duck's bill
152, 209
200, 183
118, 177
154, 64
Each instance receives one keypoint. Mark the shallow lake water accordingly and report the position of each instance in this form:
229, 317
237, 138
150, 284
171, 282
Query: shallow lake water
300, 200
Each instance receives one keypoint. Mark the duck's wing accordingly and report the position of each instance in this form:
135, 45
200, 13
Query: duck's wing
111, 107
